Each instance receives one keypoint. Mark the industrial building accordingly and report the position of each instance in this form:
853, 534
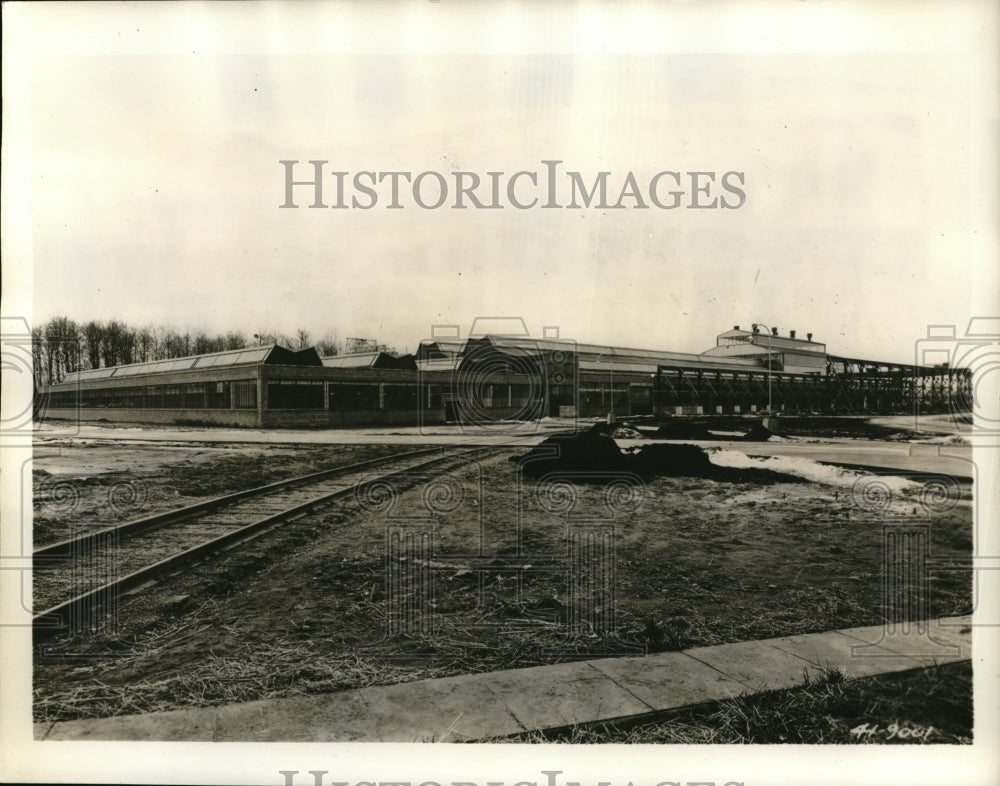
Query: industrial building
489, 378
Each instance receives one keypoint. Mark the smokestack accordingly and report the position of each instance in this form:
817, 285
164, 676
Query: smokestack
774, 332
791, 334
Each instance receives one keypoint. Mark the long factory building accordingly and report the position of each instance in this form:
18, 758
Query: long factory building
489, 378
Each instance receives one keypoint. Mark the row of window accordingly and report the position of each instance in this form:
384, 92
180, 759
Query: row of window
499, 395
602, 397
241, 394
308, 394
303, 394
366, 396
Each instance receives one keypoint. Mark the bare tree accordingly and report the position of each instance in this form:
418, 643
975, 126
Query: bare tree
61, 345
55, 348
174, 344
40, 362
330, 345
201, 343
93, 333
117, 344
273, 337
144, 344
235, 340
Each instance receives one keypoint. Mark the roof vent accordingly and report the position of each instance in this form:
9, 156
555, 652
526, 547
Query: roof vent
791, 334
736, 327
774, 332
809, 336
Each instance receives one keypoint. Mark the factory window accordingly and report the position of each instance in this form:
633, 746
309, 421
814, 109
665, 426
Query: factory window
194, 396
92, 398
150, 397
591, 396
486, 395
123, 398
244, 393
108, 397
601, 395
171, 396
400, 396
433, 396
66, 398
217, 395
520, 394
164, 396
354, 397
295, 394
133, 398
640, 394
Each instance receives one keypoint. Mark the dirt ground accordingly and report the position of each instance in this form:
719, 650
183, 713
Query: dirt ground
672, 563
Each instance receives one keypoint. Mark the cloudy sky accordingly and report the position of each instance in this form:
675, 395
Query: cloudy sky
155, 182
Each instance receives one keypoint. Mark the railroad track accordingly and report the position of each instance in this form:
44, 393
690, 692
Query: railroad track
70, 576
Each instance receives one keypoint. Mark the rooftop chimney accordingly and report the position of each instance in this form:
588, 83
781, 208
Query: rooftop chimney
774, 332
809, 336
791, 334
736, 327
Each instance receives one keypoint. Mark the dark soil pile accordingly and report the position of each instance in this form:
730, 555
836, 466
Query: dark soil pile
591, 451
625, 431
591, 455
757, 433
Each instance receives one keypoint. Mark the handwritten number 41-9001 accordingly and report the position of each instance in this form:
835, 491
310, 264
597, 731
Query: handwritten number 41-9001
893, 731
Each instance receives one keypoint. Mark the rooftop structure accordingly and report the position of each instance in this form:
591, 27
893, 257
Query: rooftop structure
248, 356
370, 360
771, 350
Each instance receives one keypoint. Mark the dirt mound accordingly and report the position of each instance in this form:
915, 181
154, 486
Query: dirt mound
692, 461
625, 431
590, 455
589, 451
758, 433
660, 459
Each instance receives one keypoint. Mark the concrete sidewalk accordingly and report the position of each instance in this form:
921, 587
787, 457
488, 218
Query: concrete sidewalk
480, 706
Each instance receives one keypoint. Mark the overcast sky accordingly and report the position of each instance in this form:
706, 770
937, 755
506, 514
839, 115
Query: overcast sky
155, 187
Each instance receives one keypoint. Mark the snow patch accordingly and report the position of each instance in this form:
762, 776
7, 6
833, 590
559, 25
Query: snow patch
808, 469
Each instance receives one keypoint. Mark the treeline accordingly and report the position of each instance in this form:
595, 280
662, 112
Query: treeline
62, 345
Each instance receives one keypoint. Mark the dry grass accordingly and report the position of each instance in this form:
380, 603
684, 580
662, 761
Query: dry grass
254, 672
303, 610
